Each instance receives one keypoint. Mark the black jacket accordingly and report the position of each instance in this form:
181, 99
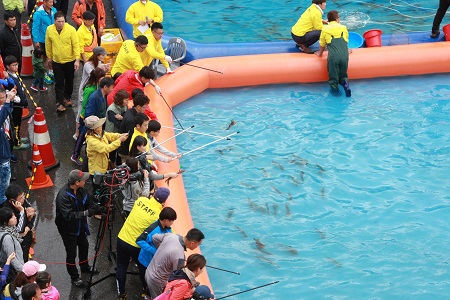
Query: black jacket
127, 125
10, 43
70, 210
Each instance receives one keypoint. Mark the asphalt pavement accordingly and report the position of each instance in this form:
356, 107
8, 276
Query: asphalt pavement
49, 248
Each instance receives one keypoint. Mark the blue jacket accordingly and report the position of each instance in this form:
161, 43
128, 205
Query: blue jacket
5, 148
15, 82
41, 20
96, 105
145, 241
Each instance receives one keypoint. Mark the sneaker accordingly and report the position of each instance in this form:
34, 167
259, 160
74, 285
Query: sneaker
43, 89
78, 282
435, 34
75, 137
60, 108
34, 88
14, 159
305, 49
67, 103
24, 140
22, 146
48, 80
346, 86
76, 160
52, 75
122, 296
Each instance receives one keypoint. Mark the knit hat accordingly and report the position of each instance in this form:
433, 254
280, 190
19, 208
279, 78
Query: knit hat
162, 194
31, 268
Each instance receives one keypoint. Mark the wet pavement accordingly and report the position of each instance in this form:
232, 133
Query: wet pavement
49, 248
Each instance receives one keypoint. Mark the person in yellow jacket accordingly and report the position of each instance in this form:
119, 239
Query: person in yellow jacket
155, 49
141, 15
87, 36
334, 36
99, 144
307, 29
129, 57
63, 53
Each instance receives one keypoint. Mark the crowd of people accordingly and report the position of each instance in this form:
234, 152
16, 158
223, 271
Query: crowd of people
113, 135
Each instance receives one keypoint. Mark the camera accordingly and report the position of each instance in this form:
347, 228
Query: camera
111, 177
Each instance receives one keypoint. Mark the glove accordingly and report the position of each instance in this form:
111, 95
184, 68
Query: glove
17, 99
158, 90
169, 71
168, 58
90, 212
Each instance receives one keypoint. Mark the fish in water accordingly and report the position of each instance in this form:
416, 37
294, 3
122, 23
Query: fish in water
288, 209
290, 197
275, 208
241, 231
291, 250
251, 203
323, 192
322, 235
230, 214
321, 169
265, 172
276, 190
295, 180
190, 11
233, 122
267, 207
267, 260
338, 264
301, 176
278, 164
247, 185
259, 245
220, 151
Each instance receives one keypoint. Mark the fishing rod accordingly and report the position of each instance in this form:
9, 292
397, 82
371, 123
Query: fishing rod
200, 133
237, 273
175, 116
191, 65
222, 138
258, 287
182, 131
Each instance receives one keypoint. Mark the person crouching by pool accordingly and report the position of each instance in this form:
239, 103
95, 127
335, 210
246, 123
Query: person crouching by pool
98, 146
307, 29
335, 37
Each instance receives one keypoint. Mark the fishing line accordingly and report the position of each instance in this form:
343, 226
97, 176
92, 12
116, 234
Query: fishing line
191, 65
198, 148
175, 116
258, 287
199, 133
237, 273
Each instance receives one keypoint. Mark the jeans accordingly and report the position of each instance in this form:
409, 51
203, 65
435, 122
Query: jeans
124, 252
39, 82
5, 176
70, 243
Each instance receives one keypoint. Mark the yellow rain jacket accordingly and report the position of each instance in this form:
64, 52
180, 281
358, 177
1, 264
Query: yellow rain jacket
88, 40
145, 212
127, 59
62, 47
334, 29
98, 149
310, 20
138, 12
153, 51
13, 4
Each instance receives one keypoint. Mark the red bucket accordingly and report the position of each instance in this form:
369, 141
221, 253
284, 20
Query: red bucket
446, 30
373, 38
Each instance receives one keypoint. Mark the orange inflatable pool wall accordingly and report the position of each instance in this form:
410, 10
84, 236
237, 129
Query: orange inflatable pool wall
188, 81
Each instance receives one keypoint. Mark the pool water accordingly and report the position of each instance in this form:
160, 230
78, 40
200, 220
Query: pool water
348, 198
210, 21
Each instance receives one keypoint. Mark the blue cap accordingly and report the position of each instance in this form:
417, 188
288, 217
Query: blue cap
162, 194
204, 292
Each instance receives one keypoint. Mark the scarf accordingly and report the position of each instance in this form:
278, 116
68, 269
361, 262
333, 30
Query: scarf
12, 231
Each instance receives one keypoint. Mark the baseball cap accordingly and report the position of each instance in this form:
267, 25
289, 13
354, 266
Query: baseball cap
204, 292
162, 194
77, 175
31, 268
99, 50
93, 122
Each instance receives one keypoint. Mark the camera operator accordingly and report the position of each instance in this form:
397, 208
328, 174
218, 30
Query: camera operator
73, 205
137, 186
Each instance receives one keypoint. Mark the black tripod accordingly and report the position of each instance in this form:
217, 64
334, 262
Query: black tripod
106, 223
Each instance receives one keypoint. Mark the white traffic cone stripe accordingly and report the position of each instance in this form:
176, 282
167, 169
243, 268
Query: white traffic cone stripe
39, 123
42, 138
37, 162
36, 152
26, 37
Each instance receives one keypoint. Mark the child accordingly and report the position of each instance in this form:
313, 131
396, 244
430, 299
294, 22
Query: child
335, 37
49, 292
135, 187
38, 71
141, 121
307, 29
154, 127
20, 101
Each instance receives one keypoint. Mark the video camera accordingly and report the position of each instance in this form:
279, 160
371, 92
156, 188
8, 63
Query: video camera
115, 176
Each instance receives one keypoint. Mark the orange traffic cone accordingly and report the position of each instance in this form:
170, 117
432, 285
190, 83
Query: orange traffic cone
25, 113
27, 51
42, 140
38, 179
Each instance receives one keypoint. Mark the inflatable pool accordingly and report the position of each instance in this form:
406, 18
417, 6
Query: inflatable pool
204, 50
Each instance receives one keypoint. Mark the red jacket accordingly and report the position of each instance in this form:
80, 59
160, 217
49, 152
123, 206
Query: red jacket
80, 7
181, 289
128, 81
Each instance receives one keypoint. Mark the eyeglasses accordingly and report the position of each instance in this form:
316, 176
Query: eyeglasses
140, 46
